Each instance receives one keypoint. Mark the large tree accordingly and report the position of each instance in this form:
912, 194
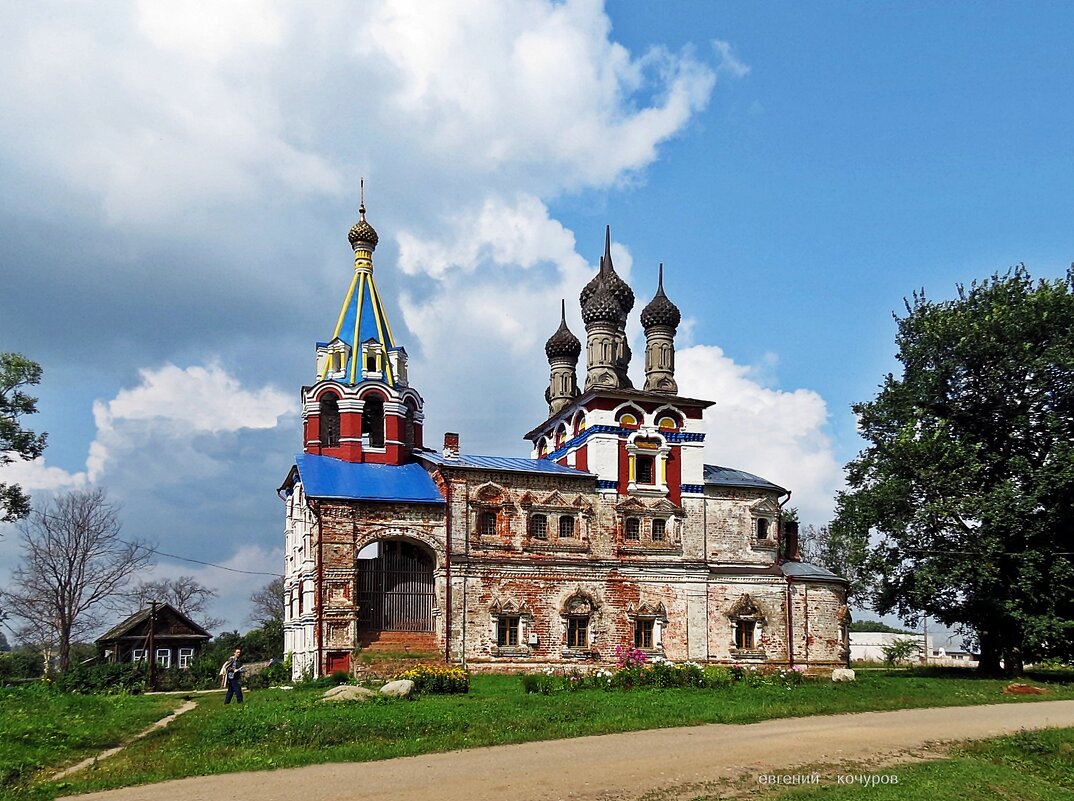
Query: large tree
75, 566
967, 482
185, 593
16, 442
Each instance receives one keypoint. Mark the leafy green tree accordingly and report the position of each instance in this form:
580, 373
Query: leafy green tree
900, 651
16, 442
967, 481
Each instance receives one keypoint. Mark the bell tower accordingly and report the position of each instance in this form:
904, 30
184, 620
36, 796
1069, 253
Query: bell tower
362, 407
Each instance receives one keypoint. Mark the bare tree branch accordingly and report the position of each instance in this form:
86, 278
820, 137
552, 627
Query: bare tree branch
74, 568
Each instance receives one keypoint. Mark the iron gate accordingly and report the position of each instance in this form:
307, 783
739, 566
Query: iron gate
395, 589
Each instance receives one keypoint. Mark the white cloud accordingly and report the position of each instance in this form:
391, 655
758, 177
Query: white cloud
178, 403
513, 83
777, 434
34, 474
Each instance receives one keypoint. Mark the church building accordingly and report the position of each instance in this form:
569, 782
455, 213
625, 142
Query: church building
612, 533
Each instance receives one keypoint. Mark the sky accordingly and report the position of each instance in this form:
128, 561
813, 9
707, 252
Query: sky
177, 182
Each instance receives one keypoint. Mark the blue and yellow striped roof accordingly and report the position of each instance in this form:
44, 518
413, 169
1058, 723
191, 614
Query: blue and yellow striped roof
362, 316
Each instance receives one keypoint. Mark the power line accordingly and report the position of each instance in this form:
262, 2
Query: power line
210, 564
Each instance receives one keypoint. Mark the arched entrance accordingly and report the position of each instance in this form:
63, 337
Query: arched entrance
395, 589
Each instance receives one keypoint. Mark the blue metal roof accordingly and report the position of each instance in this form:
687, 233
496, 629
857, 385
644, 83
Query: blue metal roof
507, 464
729, 477
808, 572
325, 477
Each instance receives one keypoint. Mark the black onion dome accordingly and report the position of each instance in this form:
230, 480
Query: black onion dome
607, 276
563, 342
602, 307
660, 310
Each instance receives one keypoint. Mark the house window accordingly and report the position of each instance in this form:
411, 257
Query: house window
577, 632
486, 524
762, 528
645, 469
507, 631
633, 529
744, 635
186, 656
329, 417
566, 527
138, 655
164, 657
643, 633
659, 529
538, 527
373, 420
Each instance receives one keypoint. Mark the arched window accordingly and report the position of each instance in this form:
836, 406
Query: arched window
329, 421
486, 524
408, 425
373, 420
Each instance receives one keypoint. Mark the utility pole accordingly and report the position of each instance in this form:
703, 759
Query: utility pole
152, 650
925, 632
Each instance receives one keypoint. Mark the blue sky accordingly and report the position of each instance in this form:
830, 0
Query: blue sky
176, 185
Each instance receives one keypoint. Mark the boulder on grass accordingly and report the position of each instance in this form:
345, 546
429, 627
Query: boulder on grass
843, 674
348, 692
403, 688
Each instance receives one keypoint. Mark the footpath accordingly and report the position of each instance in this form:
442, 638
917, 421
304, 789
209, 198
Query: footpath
681, 763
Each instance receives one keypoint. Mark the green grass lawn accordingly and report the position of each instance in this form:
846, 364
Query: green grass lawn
40, 728
280, 728
1030, 766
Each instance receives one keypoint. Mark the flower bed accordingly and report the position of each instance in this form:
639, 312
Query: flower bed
637, 668
441, 679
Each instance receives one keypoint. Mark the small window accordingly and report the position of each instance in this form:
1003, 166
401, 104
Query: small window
486, 524
138, 655
577, 632
566, 527
667, 424
633, 529
507, 631
371, 363
744, 631
186, 656
762, 528
644, 474
538, 527
643, 633
628, 420
659, 529
164, 657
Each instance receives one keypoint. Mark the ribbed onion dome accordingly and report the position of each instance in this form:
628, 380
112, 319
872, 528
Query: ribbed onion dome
563, 342
602, 307
660, 310
362, 233
607, 276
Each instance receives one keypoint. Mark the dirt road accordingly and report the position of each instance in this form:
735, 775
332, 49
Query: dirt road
620, 766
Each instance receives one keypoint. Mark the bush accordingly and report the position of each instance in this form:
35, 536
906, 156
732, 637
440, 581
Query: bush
117, 677
443, 679
657, 672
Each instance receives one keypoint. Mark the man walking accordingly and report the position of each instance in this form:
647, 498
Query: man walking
231, 677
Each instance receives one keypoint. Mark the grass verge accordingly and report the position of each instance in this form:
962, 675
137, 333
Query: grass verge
40, 728
1029, 766
277, 728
